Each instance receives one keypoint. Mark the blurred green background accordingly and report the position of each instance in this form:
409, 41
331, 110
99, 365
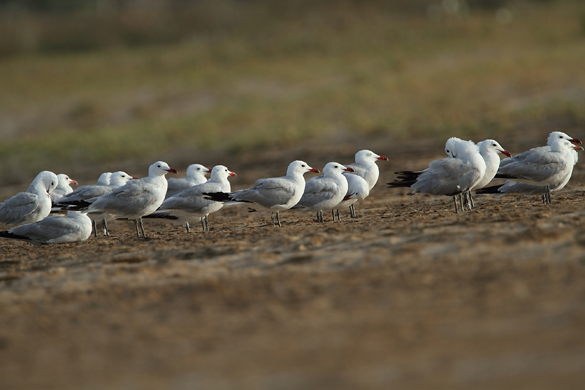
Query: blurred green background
90, 86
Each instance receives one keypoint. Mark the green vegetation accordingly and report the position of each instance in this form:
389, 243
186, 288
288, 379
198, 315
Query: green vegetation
249, 75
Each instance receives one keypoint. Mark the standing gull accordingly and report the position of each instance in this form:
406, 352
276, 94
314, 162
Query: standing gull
136, 198
195, 175
448, 176
273, 194
190, 204
542, 167
325, 192
365, 167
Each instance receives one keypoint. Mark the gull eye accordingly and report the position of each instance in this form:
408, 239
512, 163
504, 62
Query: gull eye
303, 165
447, 150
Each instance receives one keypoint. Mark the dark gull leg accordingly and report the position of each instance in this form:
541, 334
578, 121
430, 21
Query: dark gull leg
187, 227
136, 226
338, 217
94, 225
278, 218
142, 227
352, 211
333, 214
105, 228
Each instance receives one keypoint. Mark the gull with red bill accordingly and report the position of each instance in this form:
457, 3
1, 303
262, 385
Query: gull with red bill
136, 198
190, 204
63, 188
272, 194
325, 192
548, 167
195, 175
362, 179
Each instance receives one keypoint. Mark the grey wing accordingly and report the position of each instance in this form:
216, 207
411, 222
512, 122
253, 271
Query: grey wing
358, 169
18, 207
47, 229
191, 199
317, 190
443, 177
176, 186
85, 193
537, 167
131, 196
267, 192
524, 156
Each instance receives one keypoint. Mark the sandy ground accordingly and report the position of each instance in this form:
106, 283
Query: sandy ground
407, 295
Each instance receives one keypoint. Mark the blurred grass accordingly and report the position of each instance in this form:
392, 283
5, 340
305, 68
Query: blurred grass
252, 74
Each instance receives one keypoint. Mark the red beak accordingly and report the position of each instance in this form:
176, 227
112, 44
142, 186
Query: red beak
577, 147
172, 170
233, 174
314, 170
575, 141
73, 182
349, 169
207, 170
134, 178
384, 158
506, 153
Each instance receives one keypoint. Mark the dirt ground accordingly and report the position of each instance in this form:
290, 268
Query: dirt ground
407, 295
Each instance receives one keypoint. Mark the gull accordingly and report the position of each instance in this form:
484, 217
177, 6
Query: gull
325, 192
190, 204
57, 229
449, 176
195, 175
523, 188
136, 198
550, 168
63, 188
82, 197
273, 194
32, 205
365, 167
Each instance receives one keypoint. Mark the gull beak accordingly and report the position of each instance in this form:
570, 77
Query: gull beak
575, 141
506, 153
172, 170
349, 169
73, 182
383, 158
233, 174
207, 170
314, 170
133, 178
577, 147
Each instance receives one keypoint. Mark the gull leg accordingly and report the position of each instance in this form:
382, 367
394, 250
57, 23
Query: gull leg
338, 217
105, 227
461, 196
142, 227
272, 218
471, 199
352, 211
206, 219
278, 218
136, 226
187, 227
94, 225
333, 214
548, 199
455, 202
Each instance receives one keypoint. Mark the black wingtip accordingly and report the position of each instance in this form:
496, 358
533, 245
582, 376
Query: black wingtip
7, 234
218, 196
162, 216
489, 190
504, 176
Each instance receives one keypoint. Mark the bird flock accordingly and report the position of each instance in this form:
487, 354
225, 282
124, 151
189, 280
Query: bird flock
191, 199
